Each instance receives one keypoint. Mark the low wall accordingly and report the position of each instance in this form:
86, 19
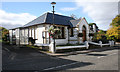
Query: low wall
61, 41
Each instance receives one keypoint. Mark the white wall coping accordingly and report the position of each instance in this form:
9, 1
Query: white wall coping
68, 47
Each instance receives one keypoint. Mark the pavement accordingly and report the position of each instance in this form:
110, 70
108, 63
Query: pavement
80, 51
105, 58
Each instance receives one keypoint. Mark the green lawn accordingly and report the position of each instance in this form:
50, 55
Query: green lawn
30, 46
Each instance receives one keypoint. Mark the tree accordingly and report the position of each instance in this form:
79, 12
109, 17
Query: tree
99, 35
73, 16
3, 32
90, 24
116, 21
114, 32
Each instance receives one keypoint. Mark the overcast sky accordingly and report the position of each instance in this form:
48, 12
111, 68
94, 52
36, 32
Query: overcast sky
101, 12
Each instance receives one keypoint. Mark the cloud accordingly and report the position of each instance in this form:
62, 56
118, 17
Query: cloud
12, 20
68, 8
59, 0
96, 0
119, 7
102, 13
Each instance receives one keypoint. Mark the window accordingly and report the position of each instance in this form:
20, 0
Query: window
71, 32
62, 34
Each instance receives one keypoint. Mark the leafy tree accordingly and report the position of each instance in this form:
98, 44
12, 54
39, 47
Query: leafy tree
116, 21
90, 24
99, 35
114, 32
3, 33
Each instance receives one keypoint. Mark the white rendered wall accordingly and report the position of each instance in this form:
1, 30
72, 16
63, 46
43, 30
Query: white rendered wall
33, 32
94, 28
40, 29
47, 34
10, 35
30, 31
26, 36
21, 36
36, 35
17, 35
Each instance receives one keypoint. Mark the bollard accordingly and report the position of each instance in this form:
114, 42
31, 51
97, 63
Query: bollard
110, 43
87, 45
51, 47
100, 42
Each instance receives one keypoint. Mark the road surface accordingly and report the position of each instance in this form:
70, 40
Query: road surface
105, 58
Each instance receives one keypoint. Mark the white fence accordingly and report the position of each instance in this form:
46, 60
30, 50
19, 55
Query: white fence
111, 43
53, 50
51, 47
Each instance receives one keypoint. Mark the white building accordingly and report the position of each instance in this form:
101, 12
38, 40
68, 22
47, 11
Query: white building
72, 31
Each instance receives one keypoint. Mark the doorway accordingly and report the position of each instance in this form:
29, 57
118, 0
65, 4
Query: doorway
84, 33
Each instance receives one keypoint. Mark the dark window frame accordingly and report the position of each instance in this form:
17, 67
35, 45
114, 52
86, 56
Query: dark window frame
62, 36
71, 32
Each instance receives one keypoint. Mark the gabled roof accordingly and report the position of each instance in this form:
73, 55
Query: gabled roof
47, 18
75, 22
15, 28
39, 20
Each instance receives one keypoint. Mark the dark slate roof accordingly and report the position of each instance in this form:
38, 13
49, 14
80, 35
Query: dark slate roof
75, 22
39, 20
15, 28
48, 18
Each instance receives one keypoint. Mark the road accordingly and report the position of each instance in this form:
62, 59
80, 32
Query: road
105, 58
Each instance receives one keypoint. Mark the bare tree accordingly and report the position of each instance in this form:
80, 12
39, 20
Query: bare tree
73, 16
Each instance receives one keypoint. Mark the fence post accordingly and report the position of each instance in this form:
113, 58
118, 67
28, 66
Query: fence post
51, 47
110, 43
87, 45
100, 42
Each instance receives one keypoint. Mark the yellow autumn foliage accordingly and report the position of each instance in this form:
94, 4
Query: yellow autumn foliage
114, 31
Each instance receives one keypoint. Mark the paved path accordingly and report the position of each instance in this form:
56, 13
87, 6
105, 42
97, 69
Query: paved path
30, 59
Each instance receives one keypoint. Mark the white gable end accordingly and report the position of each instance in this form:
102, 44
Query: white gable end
83, 23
